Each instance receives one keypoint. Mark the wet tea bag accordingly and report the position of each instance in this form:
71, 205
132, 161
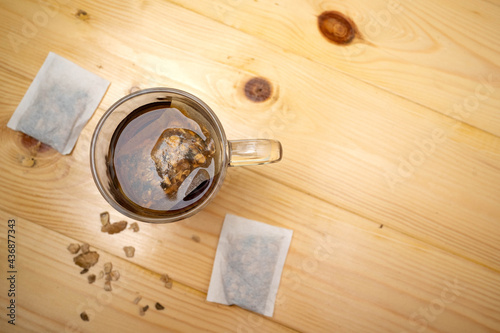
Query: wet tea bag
58, 103
248, 264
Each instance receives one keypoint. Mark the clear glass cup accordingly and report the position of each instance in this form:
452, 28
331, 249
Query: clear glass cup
229, 153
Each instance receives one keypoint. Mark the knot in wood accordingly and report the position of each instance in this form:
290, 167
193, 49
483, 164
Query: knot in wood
258, 89
336, 27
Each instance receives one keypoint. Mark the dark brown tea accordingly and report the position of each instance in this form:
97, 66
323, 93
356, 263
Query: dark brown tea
163, 159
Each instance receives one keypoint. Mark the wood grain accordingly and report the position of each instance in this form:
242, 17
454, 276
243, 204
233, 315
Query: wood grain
377, 155
52, 293
440, 54
390, 201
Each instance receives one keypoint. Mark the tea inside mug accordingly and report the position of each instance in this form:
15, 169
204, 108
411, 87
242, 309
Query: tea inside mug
163, 158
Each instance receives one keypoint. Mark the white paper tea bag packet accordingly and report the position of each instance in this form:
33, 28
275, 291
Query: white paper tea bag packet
248, 264
58, 103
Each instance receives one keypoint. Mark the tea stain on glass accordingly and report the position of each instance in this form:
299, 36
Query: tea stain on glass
258, 89
337, 27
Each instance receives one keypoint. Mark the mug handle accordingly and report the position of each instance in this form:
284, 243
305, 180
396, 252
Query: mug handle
254, 152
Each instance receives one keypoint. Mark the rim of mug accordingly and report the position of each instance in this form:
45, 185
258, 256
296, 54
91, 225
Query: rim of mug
223, 168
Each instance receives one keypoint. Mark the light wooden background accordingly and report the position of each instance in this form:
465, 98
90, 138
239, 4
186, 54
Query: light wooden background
390, 177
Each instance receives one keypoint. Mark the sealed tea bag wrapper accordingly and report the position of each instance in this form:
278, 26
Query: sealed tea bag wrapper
248, 264
58, 103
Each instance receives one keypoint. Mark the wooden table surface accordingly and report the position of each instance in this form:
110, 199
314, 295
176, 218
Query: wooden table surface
389, 116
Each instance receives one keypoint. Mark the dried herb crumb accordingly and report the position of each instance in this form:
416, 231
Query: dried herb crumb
108, 267
27, 161
86, 260
73, 248
196, 238
107, 286
137, 300
134, 226
91, 278
104, 218
85, 248
114, 228
83, 271
129, 251
84, 316
158, 306
143, 309
166, 279
115, 275
82, 15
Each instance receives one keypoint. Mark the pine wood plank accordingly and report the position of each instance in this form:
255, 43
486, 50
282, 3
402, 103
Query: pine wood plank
436, 53
364, 277
378, 155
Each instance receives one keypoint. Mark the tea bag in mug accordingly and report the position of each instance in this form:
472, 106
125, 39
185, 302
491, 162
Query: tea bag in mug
248, 264
58, 103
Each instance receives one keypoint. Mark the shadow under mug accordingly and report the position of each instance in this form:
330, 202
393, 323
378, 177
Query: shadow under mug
230, 152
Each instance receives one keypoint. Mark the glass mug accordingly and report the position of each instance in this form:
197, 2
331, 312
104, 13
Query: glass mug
160, 155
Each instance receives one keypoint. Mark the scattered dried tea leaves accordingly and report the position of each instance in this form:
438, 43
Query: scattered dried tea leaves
166, 279
82, 15
85, 247
73, 248
137, 300
84, 316
115, 275
196, 238
143, 309
177, 153
104, 218
114, 228
86, 260
134, 226
158, 306
109, 275
108, 267
129, 251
